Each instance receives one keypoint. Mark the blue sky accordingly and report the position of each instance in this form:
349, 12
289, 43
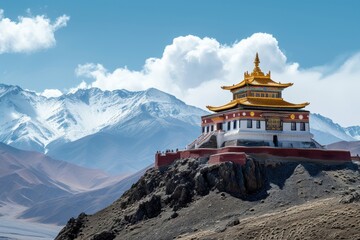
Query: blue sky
115, 34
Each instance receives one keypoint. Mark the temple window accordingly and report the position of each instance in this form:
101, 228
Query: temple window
239, 95
228, 126
212, 127
207, 129
234, 124
203, 129
249, 123
258, 124
266, 94
293, 126
302, 126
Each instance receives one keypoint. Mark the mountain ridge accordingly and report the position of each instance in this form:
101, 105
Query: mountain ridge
74, 121
75, 127
326, 131
60, 111
50, 191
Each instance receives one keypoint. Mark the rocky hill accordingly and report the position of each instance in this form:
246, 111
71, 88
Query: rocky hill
272, 198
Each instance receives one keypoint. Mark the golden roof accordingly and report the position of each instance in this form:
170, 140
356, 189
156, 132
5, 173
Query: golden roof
257, 78
258, 102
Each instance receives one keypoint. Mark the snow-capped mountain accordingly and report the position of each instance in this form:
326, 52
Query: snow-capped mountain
118, 131
326, 131
353, 131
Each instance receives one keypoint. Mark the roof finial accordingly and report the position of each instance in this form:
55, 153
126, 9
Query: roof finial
257, 60
257, 71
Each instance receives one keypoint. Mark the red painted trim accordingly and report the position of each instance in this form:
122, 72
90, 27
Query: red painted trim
257, 116
239, 158
311, 154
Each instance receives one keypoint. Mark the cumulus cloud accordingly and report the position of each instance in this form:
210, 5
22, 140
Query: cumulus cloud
28, 34
49, 93
193, 69
82, 85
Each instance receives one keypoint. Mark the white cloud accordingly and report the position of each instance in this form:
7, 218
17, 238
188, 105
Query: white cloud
28, 34
82, 85
49, 93
193, 69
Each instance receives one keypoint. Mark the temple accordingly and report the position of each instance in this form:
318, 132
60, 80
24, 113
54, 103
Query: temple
257, 115
257, 122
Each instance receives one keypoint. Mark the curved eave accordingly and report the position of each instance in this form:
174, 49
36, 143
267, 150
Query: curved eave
224, 107
243, 83
271, 103
259, 102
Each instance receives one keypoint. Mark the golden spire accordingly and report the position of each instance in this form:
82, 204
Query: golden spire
257, 71
257, 60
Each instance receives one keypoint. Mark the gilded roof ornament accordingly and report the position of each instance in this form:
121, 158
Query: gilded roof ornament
257, 96
257, 71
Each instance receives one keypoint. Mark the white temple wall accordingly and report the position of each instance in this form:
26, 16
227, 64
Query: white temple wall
268, 136
242, 125
287, 139
287, 127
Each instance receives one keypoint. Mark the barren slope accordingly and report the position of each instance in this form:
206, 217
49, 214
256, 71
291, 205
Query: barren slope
265, 199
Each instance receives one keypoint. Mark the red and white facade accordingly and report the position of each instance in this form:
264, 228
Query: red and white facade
284, 129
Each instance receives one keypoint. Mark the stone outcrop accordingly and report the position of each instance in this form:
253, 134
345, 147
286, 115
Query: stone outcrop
191, 196
72, 228
176, 187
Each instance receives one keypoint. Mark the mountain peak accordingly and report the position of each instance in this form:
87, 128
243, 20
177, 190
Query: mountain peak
353, 131
10, 88
158, 95
37, 122
87, 111
326, 131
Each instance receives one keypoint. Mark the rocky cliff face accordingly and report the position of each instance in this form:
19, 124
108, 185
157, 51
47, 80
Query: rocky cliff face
175, 187
191, 195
